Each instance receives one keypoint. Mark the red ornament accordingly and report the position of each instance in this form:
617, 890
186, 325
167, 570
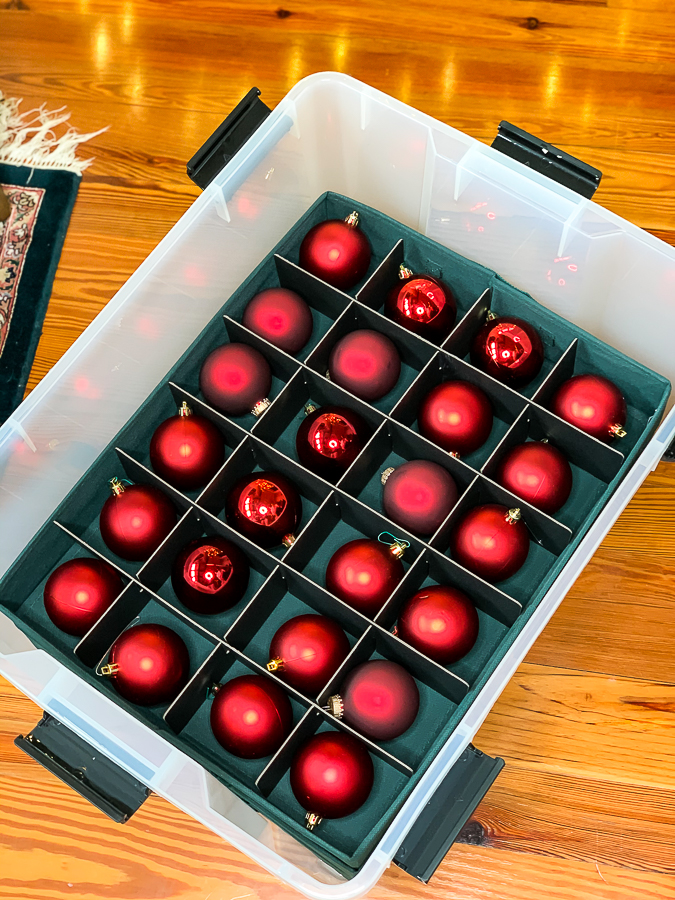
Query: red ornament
422, 304
251, 716
539, 473
593, 404
379, 698
281, 317
306, 650
336, 251
509, 349
364, 573
457, 416
210, 575
491, 541
439, 621
187, 450
330, 439
148, 665
418, 495
136, 519
78, 592
331, 776
265, 507
366, 363
236, 379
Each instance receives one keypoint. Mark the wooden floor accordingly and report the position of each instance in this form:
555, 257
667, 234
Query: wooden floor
585, 807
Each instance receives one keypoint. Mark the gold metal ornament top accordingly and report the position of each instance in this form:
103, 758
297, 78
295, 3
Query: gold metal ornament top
184, 411
275, 665
116, 486
213, 689
489, 316
111, 669
352, 219
310, 408
288, 540
335, 706
618, 431
385, 475
454, 454
514, 515
404, 272
312, 820
398, 548
260, 407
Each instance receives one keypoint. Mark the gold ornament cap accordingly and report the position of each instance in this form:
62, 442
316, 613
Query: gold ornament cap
110, 669
310, 408
261, 406
288, 540
116, 486
397, 546
335, 706
385, 475
404, 272
352, 219
618, 431
514, 515
490, 316
275, 665
312, 820
184, 410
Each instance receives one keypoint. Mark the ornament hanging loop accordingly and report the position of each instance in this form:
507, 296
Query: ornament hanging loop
397, 546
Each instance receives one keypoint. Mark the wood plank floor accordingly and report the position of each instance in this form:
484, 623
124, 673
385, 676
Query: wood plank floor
586, 805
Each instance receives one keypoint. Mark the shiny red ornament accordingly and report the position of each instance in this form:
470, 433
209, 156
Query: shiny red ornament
306, 650
457, 416
330, 439
363, 573
491, 541
366, 363
265, 507
210, 575
439, 621
593, 404
281, 317
78, 592
187, 450
422, 304
148, 665
336, 251
136, 519
509, 349
418, 495
331, 776
539, 473
251, 716
379, 698
236, 379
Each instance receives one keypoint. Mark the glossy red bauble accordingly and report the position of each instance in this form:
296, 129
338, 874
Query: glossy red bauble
265, 507
379, 698
210, 575
439, 621
509, 349
457, 416
418, 495
251, 716
187, 450
539, 473
423, 305
306, 651
148, 664
491, 541
363, 573
336, 251
281, 317
236, 379
592, 403
366, 363
330, 439
78, 592
135, 520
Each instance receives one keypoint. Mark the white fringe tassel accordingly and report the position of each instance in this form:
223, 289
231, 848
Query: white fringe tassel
28, 139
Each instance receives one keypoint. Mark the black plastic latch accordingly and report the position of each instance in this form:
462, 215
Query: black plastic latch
228, 138
547, 159
446, 814
84, 769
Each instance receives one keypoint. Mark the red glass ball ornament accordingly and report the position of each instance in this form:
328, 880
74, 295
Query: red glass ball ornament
306, 650
366, 363
236, 379
148, 664
265, 507
379, 698
187, 450
364, 572
336, 251
491, 541
135, 520
539, 473
593, 404
457, 416
422, 304
78, 592
210, 575
330, 439
509, 349
418, 495
251, 716
281, 317
439, 621
331, 776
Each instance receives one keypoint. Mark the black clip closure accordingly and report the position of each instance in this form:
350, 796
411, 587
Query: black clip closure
547, 159
228, 138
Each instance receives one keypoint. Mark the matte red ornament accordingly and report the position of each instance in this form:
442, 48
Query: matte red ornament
418, 495
509, 349
136, 519
265, 507
379, 698
78, 592
236, 379
457, 416
422, 304
336, 251
491, 541
251, 716
281, 317
187, 450
306, 650
366, 363
331, 776
148, 665
539, 473
364, 572
330, 439
439, 621
210, 575
594, 404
